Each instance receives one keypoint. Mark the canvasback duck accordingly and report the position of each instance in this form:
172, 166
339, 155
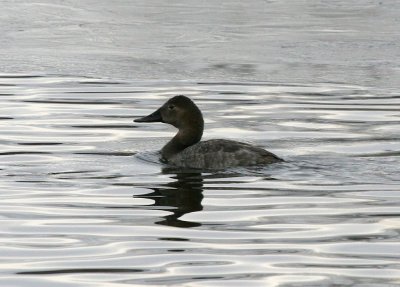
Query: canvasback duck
186, 150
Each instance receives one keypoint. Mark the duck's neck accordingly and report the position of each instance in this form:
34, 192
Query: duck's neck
185, 137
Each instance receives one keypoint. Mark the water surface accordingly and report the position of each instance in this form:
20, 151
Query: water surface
85, 201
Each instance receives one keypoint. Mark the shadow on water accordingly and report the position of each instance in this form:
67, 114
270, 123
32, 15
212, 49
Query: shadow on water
183, 195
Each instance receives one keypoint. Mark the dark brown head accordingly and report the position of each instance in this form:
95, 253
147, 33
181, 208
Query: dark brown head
179, 111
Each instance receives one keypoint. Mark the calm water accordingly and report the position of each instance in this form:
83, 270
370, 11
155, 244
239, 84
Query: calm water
84, 200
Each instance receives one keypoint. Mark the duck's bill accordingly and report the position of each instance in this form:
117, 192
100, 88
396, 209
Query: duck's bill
154, 117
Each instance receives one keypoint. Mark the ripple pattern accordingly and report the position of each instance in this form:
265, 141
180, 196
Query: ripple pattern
85, 201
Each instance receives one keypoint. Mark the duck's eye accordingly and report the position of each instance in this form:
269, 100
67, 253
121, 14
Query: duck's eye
171, 107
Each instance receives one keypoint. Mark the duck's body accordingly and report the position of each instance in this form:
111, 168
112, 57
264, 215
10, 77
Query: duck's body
186, 150
220, 154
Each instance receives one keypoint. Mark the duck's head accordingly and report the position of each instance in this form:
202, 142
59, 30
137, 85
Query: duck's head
178, 111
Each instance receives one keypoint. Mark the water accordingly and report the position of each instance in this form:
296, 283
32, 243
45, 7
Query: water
303, 41
84, 200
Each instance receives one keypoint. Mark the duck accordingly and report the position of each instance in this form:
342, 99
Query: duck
186, 150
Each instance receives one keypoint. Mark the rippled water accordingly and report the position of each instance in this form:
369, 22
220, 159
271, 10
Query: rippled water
85, 202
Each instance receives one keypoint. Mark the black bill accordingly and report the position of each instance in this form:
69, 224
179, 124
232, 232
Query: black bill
154, 117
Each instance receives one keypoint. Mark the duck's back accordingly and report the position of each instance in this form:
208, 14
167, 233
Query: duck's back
220, 153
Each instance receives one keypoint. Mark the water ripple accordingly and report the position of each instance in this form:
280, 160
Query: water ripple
86, 201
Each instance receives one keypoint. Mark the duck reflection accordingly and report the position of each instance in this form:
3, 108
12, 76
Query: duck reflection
182, 196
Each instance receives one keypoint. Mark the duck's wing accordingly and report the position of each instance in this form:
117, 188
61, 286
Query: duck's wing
220, 153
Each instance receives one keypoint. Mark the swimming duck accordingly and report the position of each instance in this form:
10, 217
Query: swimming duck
186, 150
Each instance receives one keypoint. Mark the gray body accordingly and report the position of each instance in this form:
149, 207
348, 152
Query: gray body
221, 154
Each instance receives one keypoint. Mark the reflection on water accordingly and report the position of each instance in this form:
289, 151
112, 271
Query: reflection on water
86, 202
181, 196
